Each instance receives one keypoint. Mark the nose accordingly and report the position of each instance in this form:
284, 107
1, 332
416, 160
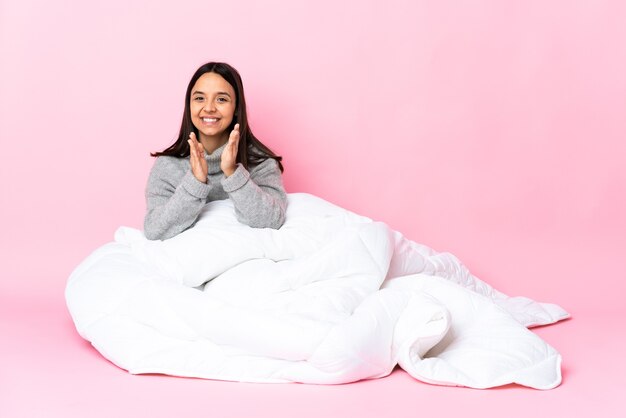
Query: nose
209, 106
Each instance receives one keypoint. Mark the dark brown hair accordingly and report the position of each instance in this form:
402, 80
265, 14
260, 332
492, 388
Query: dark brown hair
251, 151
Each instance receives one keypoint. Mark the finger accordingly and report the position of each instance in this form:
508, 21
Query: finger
201, 163
233, 139
233, 144
199, 148
193, 141
234, 132
191, 153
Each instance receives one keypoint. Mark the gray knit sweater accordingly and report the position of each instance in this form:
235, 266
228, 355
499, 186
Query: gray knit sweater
174, 197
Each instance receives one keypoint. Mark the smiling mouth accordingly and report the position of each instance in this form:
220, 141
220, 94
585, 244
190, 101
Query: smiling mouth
209, 120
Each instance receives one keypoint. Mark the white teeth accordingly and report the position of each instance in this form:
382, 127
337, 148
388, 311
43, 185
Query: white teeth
209, 120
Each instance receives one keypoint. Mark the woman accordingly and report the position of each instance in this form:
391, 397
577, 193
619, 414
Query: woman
216, 156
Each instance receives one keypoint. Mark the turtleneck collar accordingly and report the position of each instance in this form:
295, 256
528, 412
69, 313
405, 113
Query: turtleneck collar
214, 159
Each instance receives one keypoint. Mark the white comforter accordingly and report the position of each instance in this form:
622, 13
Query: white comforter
331, 297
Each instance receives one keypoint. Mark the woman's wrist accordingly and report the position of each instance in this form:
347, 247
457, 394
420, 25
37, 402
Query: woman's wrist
229, 171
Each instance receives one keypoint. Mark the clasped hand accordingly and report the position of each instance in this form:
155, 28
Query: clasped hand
228, 163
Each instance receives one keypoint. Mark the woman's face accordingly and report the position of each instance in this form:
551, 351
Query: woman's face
212, 107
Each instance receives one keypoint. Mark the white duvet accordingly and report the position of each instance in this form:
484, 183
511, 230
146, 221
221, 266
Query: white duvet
331, 297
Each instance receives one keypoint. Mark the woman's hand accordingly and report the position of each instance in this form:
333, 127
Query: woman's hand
199, 166
229, 155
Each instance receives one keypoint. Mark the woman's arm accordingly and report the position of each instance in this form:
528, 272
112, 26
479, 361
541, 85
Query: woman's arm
174, 199
258, 195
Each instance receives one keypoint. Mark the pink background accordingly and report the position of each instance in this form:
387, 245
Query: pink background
491, 129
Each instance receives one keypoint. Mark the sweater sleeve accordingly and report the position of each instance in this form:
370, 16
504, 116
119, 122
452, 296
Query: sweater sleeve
173, 204
258, 195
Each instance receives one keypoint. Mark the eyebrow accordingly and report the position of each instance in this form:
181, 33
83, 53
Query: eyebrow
219, 92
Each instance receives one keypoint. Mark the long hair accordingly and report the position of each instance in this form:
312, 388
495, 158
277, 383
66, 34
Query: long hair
251, 151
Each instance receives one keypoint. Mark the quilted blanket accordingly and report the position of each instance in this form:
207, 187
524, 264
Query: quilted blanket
331, 297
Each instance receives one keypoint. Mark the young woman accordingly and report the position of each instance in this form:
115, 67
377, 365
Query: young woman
216, 156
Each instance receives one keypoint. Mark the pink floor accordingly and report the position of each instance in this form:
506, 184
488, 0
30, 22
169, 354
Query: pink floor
49, 371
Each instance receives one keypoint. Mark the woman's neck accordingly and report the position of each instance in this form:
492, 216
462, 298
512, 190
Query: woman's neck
211, 143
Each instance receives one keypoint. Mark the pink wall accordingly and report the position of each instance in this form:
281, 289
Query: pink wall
494, 130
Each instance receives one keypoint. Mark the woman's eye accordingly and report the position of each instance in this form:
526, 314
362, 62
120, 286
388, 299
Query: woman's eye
222, 99
199, 99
